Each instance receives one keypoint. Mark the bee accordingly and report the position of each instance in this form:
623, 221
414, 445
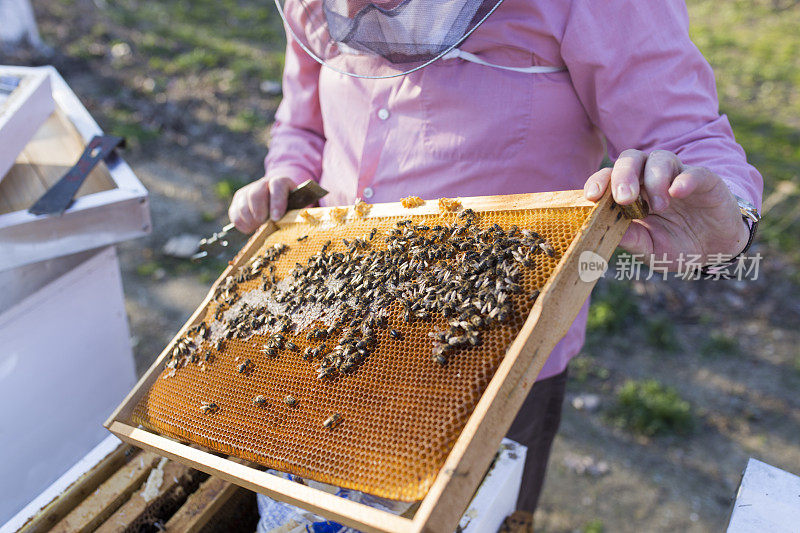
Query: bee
396, 334
362, 344
290, 401
219, 345
372, 233
260, 401
324, 371
244, 366
332, 421
291, 346
277, 340
534, 295
209, 407
547, 248
269, 351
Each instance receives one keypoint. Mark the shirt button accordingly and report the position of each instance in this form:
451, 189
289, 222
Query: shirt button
383, 113
368, 192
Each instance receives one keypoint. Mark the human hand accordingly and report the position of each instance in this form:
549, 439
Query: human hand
692, 211
253, 203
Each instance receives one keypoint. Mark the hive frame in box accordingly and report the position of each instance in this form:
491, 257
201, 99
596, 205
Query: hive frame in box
27, 238
440, 510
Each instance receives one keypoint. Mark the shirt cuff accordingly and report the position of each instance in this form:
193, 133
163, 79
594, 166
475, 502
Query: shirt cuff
741, 192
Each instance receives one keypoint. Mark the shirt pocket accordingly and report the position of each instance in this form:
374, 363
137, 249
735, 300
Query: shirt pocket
474, 112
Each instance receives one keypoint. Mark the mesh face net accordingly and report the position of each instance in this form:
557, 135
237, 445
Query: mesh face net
424, 298
381, 38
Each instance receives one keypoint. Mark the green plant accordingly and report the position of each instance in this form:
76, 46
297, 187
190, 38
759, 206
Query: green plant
660, 333
584, 367
649, 408
612, 305
225, 188
247, 121
147, 269
594, 526
718, 344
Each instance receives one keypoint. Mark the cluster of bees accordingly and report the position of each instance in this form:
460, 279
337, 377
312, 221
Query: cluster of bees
456, 270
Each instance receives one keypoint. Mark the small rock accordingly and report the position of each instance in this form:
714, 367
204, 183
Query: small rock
148, 85
120, 50
586, 465
588, 402
271, 88
183, 246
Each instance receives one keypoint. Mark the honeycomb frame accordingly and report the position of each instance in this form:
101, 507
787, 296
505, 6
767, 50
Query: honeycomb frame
492, 413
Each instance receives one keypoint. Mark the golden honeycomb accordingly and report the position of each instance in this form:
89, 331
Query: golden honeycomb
399, 413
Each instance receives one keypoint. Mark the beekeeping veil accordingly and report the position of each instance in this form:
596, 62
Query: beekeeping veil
382, 38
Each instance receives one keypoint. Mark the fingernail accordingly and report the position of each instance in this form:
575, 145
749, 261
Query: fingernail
624, 192
594, 190
276, 215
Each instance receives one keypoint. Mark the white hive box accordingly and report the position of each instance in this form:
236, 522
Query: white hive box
111, 205
66, 357
66, 360
768, 500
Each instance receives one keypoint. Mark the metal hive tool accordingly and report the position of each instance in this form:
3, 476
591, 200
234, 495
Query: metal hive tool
399, 411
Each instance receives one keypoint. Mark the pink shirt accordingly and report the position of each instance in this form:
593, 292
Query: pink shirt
634, 79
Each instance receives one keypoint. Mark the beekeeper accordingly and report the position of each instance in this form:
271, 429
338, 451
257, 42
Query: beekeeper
436, 98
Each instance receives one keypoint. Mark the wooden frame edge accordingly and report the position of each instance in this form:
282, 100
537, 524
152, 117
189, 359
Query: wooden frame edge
507, 202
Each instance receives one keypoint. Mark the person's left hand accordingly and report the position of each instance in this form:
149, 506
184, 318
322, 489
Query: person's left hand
692, 211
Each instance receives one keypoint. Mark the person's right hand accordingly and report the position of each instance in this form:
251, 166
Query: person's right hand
253, 203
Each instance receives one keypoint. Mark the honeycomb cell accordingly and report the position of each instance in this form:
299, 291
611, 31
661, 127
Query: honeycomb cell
401, 412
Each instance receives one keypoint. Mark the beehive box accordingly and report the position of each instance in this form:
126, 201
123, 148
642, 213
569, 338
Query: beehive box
117, 487
413, 415
111, 206
62, 308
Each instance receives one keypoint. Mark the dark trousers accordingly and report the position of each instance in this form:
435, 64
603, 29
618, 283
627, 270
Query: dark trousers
535, 427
